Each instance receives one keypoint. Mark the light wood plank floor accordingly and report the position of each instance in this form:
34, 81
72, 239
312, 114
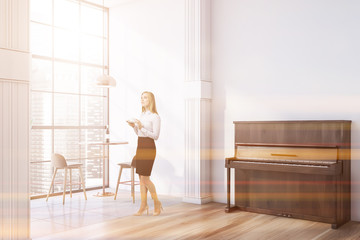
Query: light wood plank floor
209, 221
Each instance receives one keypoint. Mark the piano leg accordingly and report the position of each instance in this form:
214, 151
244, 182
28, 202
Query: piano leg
228, 208
334, 226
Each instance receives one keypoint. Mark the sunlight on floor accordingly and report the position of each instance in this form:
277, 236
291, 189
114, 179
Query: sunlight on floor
53, 217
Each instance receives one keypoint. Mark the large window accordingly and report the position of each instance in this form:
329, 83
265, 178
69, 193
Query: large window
69, 45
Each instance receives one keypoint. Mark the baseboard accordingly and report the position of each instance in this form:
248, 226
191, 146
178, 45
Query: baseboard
196, 200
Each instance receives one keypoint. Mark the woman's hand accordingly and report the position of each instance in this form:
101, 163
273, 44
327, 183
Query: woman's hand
138, 123
131, 124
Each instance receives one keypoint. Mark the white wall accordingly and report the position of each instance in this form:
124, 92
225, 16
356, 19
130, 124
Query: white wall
147, 52
284, 60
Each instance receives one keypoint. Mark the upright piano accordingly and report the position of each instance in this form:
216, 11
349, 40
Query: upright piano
298, 169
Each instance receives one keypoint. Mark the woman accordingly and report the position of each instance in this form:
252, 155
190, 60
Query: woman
147, 127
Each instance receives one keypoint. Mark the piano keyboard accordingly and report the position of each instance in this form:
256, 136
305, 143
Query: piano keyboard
299, 162
288, 164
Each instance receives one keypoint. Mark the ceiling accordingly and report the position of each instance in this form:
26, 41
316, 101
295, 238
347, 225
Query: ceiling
114, 3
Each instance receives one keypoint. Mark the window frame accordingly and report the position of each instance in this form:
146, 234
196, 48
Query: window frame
104, 96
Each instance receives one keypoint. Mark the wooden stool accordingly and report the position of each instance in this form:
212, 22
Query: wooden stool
58, 161
132, 182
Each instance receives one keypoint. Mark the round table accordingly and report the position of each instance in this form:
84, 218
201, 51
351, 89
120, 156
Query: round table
104, 144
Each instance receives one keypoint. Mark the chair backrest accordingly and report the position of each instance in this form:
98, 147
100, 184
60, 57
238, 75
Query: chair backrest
58, 160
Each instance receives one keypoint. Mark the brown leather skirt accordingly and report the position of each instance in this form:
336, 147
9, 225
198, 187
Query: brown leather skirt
144, 159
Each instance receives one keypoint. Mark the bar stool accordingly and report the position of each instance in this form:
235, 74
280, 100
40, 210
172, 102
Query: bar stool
132, 182
58, 161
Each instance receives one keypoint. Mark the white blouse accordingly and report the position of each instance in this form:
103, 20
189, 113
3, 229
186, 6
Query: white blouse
151, 125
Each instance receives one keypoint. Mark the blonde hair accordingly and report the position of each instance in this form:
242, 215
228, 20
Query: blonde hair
152, 102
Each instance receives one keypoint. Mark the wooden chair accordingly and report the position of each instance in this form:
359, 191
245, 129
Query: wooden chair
132, 182
58, 162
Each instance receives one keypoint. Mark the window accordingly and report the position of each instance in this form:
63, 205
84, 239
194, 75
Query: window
69, 43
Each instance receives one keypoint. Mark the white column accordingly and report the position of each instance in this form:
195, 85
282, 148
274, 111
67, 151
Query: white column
14, 119
198, 102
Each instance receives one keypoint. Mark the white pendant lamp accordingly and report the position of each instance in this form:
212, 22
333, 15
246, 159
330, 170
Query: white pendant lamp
105, 80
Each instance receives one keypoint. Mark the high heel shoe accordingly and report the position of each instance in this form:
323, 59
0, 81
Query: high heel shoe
140, 212
158, 211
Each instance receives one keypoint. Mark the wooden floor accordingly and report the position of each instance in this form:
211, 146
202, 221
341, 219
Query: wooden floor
209, 221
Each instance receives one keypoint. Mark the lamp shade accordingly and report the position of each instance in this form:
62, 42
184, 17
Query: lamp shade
105, 81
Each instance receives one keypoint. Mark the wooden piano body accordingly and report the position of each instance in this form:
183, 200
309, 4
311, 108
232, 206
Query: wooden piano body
297, 169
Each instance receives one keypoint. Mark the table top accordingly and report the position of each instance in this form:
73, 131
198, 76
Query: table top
111, 142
